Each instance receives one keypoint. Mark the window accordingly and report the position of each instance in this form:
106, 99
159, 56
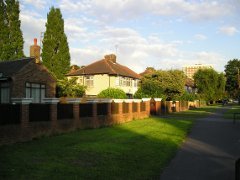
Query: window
125, 81
80, 80
89, 81
4, 93
35, 91
135, 83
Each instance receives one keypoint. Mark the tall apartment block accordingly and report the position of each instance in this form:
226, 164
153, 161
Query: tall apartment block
189, 71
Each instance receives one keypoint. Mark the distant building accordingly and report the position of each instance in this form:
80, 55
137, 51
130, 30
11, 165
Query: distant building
106, 73
189, 71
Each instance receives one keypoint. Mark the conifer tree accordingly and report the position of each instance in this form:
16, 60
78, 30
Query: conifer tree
3, 32
55, 52
14, 49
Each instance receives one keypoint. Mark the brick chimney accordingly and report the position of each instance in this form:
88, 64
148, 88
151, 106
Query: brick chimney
111, 57
35, 51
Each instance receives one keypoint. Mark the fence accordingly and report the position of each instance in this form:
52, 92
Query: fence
24, 121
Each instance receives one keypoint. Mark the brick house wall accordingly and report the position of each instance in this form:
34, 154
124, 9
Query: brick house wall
33, 73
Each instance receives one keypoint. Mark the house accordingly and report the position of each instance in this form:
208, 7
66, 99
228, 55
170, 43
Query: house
106, 73
25, 78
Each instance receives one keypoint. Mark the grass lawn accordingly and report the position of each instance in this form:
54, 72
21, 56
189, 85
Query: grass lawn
136, 150
234, 109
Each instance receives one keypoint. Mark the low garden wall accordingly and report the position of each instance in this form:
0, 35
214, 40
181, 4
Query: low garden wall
24, 121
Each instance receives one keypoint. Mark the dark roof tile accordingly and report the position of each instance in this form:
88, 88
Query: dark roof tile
9, 68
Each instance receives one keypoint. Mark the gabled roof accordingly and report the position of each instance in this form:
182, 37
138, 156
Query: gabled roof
9, 68
105, 66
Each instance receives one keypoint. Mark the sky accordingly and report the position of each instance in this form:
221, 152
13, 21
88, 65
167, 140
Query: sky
164, 34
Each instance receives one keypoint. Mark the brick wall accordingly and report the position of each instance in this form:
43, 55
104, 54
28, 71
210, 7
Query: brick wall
34, 73
27, 130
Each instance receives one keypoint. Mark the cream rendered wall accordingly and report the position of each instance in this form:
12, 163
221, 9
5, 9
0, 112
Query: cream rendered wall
100, 82
104, 81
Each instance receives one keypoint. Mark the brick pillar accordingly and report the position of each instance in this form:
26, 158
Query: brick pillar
177, 106
76, 115
120, 110
147, 106
94, 123
130, 113
139, 115
53, 115
52, 111
24, 117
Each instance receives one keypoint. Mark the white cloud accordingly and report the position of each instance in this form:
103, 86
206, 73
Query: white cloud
32, 26
36, 3
200, 37
114, 10
228, 30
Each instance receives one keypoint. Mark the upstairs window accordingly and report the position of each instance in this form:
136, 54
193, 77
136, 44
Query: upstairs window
89, 81
35, 91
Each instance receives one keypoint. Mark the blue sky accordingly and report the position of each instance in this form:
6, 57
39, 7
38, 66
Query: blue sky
164, 34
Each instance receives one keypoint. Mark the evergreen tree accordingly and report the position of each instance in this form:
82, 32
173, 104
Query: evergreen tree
3, 31
55, 52
14, 47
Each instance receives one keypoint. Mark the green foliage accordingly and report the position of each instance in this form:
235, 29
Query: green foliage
210, 84
163, 84
112, 93
70, 88
55, 52
11, 38
231, 73
189, 97
139, 94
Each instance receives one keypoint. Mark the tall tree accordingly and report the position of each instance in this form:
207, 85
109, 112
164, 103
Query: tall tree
232, 70
3, 32
55, 52
210, 84
14, 48
164, 84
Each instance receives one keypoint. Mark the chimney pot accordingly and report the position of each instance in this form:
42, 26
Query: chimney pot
35, 41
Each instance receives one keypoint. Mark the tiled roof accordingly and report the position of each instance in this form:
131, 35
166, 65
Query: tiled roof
105, 66
8, 68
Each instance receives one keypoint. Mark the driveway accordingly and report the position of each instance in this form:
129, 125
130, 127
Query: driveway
209, 152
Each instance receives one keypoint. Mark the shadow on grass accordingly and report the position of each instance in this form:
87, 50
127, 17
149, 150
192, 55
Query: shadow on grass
136, 150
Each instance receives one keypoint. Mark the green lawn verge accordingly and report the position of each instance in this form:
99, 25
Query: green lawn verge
229, 113
136, 150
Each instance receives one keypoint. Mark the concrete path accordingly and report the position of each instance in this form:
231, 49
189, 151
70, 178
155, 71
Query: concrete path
209, 152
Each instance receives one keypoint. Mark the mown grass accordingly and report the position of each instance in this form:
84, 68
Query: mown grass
194, 113
136, 150
234, 109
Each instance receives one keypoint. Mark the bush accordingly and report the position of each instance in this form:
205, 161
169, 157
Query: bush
139, 94
70, 88
112, 93
189, 97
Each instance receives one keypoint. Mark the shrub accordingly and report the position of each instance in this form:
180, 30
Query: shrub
70, 88
112, 93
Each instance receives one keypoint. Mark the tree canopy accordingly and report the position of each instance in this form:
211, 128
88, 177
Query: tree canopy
210, 84
232, 82
55, 51
165, 84
70, 88
11, 38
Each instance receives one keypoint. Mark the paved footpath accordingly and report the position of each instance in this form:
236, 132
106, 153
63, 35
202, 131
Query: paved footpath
209, 152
